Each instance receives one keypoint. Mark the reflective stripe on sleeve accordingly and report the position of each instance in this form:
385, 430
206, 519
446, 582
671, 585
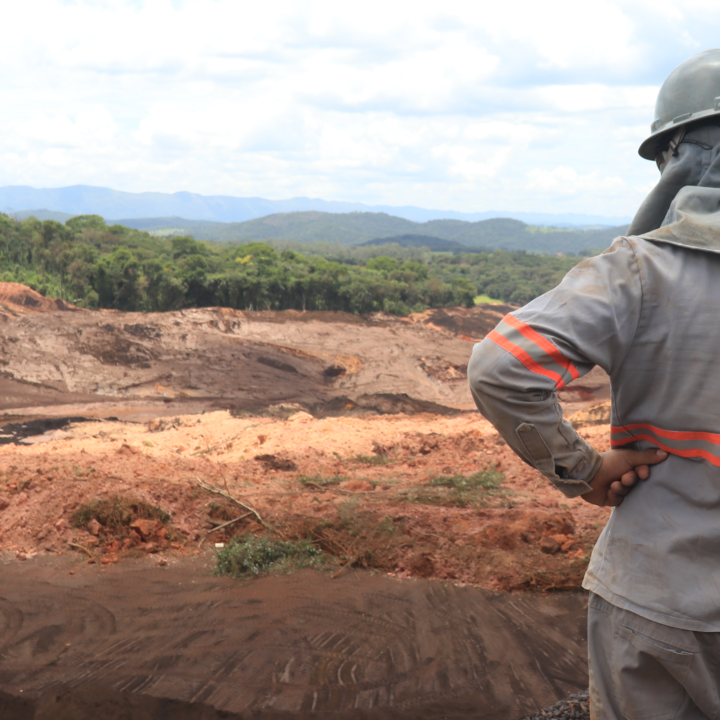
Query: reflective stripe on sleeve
703, 445
533, 350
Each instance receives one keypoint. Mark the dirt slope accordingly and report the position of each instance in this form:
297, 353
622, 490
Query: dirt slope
17, 300
137, 365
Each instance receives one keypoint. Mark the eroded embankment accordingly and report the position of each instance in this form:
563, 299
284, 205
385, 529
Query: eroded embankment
415, 496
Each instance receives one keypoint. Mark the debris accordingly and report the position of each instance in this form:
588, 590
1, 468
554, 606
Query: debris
84, 549
576, 707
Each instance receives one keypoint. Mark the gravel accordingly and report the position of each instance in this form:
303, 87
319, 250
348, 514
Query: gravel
576, 707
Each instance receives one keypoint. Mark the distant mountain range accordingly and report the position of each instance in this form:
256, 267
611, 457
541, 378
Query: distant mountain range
21, 201
379, 228
375, 229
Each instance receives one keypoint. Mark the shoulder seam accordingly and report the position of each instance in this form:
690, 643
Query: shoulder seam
629, 244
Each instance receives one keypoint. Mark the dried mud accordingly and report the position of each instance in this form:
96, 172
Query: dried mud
136, 366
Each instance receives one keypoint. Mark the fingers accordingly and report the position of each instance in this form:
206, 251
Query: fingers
629, 478
619, 488
646, 457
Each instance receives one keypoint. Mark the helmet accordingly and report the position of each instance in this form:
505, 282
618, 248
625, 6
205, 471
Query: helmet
690, 93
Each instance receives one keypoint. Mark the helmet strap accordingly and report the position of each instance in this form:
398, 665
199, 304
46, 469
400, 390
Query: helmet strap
676, 140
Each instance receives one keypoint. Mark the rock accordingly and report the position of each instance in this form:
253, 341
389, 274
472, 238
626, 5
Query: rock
93, 527
126, 449
145, 528
549, 545
301, 417
4, 504
273, 462
422, 566
357, 486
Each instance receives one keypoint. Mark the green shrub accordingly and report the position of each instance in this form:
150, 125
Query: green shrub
458, 490
321, 480
250, 555
489, 479
371, 459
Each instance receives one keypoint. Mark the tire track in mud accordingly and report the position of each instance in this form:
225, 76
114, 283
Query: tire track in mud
297, 646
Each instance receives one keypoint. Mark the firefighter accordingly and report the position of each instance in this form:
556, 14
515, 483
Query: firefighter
647, 311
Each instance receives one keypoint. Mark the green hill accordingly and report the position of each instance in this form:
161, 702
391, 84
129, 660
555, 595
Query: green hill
420, 241
357, 228
95, 265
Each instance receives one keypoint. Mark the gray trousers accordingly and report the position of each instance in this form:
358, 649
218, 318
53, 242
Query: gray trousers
642, 670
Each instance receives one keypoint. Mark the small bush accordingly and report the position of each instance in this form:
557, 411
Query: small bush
117, 512
464, 490
321, 480
249, 556
371, 459
489, 479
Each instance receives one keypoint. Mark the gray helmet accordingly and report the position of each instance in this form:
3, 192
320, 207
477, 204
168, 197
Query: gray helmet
690, 93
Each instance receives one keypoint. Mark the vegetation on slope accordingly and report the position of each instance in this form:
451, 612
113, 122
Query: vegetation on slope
95, 265
361, 227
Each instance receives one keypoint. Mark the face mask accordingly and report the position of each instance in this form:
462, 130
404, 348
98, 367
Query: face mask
681, 164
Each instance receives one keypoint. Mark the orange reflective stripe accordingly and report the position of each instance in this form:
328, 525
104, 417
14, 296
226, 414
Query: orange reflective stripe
543, 343
687, 452
671, 434
524, 358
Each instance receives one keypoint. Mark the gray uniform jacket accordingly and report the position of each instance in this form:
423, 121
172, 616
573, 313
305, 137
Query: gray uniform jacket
648, 313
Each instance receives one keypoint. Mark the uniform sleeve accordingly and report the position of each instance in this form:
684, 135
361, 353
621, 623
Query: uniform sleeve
514, 373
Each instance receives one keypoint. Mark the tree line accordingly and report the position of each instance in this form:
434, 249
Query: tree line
93, 265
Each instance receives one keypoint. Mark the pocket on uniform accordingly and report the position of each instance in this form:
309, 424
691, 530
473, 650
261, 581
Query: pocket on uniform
648, 675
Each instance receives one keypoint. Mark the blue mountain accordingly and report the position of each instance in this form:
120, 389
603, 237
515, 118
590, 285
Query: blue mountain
113, 204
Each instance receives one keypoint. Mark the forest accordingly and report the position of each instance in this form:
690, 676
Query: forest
93, 265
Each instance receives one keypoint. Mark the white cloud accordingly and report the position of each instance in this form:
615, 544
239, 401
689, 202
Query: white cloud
565, 180
458, 105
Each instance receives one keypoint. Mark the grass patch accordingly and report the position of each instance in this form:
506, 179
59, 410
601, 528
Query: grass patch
486, 300
117, 512
251, 556
458, 490
489, 479
371, 459
321, 480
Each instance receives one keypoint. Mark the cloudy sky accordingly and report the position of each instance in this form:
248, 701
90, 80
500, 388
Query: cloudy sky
468, 106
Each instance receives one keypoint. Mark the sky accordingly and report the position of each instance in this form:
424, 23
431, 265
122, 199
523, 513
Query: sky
466, 106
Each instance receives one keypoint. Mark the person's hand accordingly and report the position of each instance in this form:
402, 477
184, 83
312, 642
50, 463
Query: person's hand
619, 472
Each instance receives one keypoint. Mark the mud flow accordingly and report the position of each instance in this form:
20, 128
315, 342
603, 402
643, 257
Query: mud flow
138, 641
131, 445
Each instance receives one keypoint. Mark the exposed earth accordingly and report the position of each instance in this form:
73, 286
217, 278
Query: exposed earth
357, 433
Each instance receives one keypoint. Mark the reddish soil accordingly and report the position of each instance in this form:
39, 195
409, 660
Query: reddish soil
361, 487
17, 300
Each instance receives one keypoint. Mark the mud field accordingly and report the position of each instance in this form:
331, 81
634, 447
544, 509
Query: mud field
296, 646
450, 582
